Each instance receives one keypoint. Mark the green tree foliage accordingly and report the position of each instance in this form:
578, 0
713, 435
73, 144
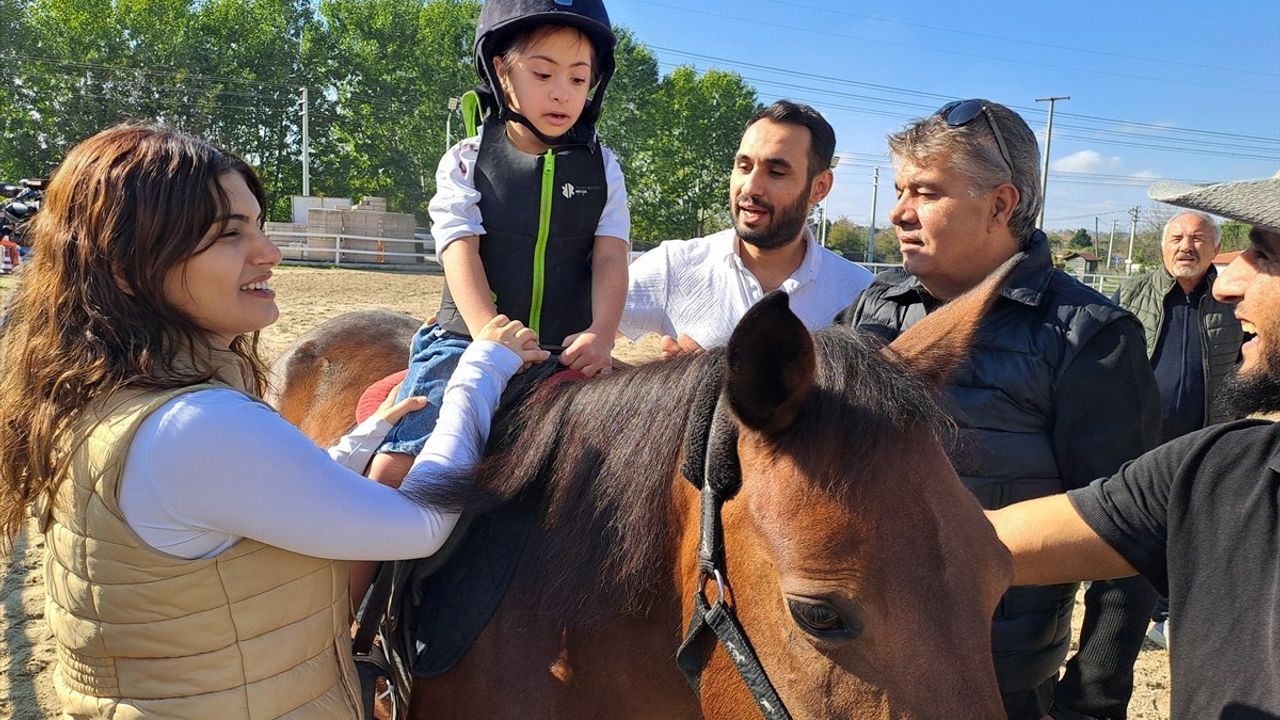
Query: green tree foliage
379, 74
1234, 235
850, 240
1081, 239
222, 69
387, 69
687, 155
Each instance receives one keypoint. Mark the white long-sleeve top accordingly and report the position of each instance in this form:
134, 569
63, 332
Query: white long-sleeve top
455, 208
214, 466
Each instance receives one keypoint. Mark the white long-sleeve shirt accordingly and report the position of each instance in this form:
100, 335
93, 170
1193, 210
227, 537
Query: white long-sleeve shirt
214, 466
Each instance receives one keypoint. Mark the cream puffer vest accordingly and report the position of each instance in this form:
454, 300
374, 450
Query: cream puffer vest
254, 633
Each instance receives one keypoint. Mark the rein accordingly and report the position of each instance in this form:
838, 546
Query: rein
711, 464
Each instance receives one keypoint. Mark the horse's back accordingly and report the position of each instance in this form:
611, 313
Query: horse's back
316, 382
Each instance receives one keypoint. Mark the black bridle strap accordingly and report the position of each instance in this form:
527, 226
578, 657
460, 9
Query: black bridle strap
719, 478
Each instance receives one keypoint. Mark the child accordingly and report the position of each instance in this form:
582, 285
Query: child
530, 215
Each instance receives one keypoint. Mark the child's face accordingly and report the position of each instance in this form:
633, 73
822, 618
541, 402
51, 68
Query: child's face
548, 81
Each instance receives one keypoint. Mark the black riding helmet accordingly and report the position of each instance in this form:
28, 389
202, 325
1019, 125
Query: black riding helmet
502, 20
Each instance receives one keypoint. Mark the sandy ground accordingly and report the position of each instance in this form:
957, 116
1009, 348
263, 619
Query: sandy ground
308, 296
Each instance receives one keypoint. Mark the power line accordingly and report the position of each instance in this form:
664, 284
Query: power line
772, 25
1024, 41
940, 97
140, 69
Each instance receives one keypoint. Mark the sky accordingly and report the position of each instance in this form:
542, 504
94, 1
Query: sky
1179, 89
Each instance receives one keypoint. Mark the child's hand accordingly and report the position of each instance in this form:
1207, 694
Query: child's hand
588, 352
392, 411
513, 335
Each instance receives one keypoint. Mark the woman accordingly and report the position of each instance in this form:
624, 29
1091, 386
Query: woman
191, 532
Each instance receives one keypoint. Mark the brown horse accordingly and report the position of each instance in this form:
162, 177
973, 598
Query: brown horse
317, 380
862, 572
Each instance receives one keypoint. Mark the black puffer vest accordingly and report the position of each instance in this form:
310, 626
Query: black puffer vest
1220, 333
1003, 401
540, 214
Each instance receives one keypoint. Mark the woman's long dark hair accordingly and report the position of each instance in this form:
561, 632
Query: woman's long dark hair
90, 317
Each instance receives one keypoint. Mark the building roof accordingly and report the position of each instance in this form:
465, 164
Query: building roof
1087, 256
1225, 258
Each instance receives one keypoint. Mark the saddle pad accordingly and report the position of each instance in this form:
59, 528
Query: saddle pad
373, 395
443, 613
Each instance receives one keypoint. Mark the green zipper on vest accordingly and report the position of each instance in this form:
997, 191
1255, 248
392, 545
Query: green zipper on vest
540, 250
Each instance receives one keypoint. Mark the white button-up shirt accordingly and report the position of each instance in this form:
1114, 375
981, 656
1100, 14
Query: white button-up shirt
701, 288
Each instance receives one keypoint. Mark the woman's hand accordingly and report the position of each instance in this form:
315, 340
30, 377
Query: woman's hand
513, 335
392, 411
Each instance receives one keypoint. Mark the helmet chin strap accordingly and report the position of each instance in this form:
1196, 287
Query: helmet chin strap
568, 138
580, 134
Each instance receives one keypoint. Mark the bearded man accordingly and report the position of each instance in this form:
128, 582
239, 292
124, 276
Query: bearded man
1198, 515
693, 292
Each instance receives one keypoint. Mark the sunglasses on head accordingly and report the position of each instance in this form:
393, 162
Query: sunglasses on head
959, 113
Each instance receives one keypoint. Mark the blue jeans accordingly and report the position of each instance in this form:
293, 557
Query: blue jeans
433, 356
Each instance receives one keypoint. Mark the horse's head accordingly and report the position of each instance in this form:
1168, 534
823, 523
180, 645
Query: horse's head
865, 574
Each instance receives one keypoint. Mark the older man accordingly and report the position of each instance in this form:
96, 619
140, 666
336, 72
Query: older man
1057, 389
694, 291
1193, 341
1197, 516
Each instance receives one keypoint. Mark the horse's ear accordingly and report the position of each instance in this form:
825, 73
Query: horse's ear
770, 365
934, 347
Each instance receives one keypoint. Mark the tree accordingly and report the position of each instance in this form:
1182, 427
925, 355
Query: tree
847, 239
224, 70
681, 190
387, 70
1081, 239
1235, 235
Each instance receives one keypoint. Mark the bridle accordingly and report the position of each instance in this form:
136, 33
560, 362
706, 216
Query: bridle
711, 464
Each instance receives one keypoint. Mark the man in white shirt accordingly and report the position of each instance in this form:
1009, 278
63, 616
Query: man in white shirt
693, 292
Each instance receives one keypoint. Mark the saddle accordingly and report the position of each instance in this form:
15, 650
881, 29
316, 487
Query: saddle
429, 611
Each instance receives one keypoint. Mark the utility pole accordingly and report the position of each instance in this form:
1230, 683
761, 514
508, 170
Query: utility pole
1111, 244
871, 231
306, 146
1048, 139
1133, 230
1097, 244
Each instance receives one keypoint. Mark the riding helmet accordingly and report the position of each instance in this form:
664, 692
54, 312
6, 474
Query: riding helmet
501, 20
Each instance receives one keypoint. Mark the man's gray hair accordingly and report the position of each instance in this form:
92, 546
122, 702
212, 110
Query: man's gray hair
1217, 232
972, 151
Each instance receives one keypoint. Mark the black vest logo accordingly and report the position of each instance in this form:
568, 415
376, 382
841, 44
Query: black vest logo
570, 191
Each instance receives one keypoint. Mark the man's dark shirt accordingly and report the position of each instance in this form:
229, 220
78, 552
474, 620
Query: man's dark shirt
1200, 517
1178, 363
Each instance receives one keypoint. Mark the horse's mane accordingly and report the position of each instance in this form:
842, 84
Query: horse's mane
603, 452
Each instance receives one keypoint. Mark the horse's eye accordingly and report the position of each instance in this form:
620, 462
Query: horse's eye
820, 620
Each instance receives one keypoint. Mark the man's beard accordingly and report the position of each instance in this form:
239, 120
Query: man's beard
784, 225
1257, 391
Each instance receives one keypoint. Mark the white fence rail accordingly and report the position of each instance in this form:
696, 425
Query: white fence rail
341, 249
362, 250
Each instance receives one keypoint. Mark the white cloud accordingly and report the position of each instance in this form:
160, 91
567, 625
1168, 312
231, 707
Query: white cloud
1149, 174
1087, 161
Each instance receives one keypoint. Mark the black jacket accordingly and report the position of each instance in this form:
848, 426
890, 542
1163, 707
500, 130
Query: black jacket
1056, 392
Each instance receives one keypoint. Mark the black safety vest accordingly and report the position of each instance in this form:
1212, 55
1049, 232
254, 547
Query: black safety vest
540, 214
